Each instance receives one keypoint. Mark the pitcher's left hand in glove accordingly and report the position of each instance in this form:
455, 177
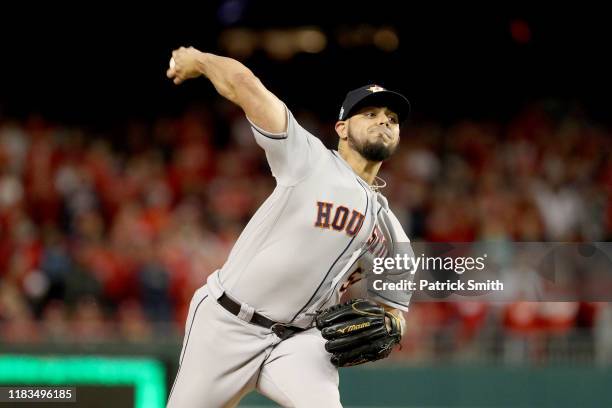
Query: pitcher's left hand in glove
358, 331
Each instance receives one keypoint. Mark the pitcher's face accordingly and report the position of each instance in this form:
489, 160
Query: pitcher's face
373, 132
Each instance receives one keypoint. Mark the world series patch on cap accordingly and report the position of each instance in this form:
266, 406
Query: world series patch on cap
374, 95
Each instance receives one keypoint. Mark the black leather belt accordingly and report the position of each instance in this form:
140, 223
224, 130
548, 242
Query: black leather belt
281, 330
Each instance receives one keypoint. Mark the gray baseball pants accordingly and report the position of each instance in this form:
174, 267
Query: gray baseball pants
223, 358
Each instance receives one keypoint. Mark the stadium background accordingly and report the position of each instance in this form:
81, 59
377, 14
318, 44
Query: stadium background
119, 192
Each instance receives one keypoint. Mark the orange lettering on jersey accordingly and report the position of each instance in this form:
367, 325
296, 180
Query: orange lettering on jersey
340, 218
377, 244
323, 214
355, 277
355, 223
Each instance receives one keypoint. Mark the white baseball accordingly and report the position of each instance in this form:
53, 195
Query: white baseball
172, 63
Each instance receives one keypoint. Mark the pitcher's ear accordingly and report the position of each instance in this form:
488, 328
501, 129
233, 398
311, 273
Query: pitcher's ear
342, 129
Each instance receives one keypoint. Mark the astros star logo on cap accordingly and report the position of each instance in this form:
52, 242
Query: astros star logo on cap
376, 88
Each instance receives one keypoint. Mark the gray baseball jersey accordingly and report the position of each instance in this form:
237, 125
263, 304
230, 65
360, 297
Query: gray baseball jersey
306, 243
321, 224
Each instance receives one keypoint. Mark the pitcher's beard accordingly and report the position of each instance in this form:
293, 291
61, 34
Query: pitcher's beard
371, 151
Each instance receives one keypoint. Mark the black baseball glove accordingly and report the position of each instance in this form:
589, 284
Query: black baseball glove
358, 331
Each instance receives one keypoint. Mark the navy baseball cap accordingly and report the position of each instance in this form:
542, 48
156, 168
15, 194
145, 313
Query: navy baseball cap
374, 95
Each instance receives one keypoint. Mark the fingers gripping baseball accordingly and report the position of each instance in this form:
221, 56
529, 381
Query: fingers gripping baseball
183, 64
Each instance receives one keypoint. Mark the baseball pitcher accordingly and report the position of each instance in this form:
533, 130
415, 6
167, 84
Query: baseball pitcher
269, 319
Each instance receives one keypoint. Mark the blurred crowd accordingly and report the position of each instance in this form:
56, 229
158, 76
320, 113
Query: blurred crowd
117, 227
